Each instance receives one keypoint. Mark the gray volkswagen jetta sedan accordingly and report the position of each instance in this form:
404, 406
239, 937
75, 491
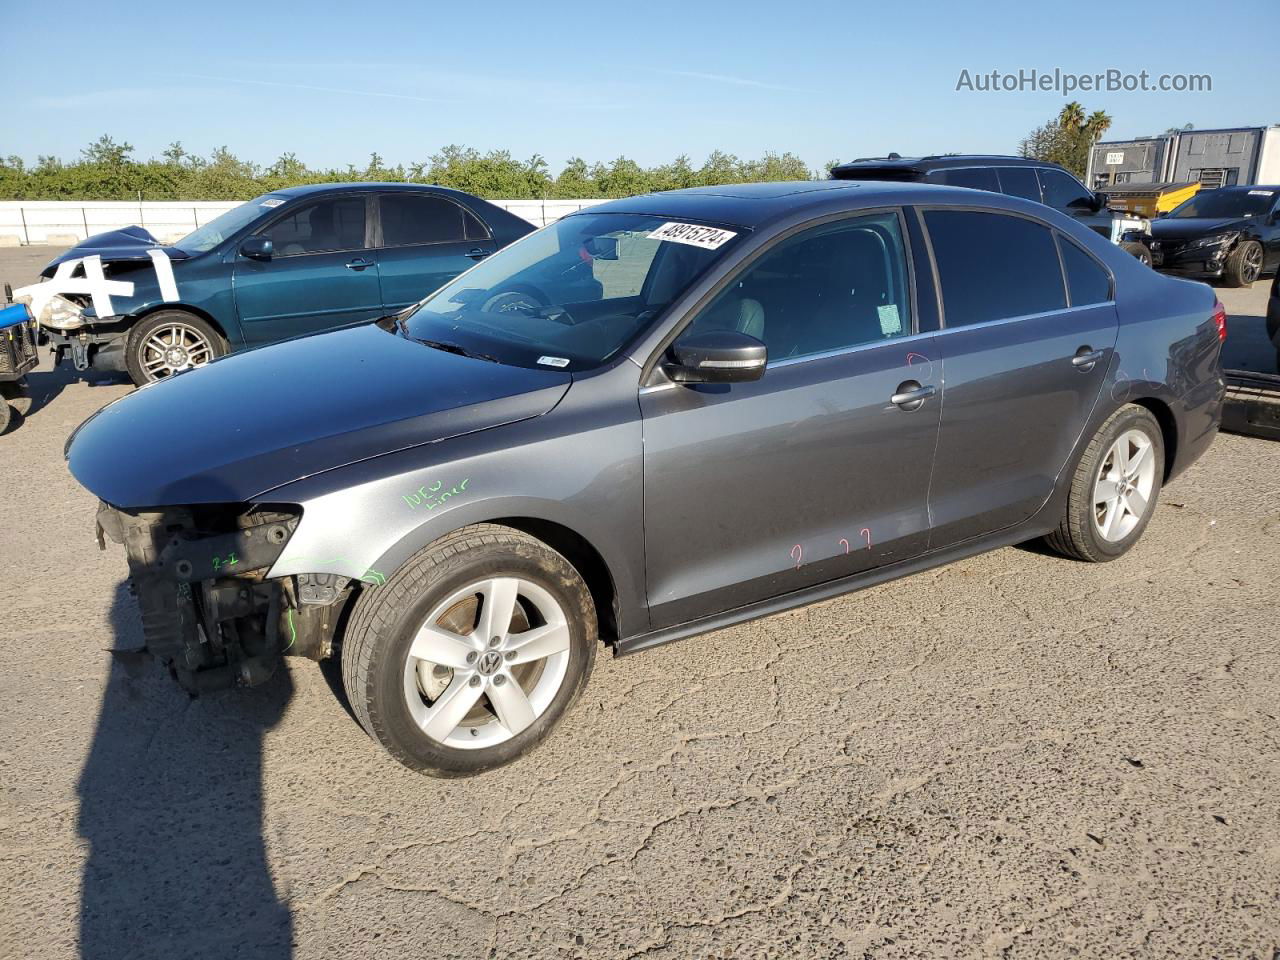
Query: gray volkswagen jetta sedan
654, 418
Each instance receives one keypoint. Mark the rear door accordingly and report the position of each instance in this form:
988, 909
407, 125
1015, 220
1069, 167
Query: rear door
321, 274
811, 473
1027, 337
424, 240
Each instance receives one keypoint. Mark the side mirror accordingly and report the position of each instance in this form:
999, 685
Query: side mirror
257, 248
1100, 201
718, 356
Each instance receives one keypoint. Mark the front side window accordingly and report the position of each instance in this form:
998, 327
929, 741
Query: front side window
1087, 282
1020, 182
572, 294
335, 223
840, 285
1062, 191
409, 219
993, 266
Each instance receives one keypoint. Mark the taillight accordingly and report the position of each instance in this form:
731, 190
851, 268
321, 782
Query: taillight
1220, 319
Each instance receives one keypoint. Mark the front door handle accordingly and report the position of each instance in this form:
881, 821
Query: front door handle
1085, 358
911, 395
359, 263
478, 253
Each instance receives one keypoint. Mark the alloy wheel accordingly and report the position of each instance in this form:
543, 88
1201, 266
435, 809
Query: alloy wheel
1122, 490
1252, 263
173, 348
486, 663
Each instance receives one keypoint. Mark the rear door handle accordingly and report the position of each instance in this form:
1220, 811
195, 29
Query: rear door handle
911, 395
1085, 358
360, 263
478, 253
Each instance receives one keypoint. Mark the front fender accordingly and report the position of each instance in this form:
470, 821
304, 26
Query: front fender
366, 520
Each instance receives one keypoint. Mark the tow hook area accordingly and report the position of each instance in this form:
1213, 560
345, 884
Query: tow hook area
208, 611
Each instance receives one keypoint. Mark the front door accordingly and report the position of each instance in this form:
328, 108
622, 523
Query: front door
1024, 354
812, 473
424, 241
321, 273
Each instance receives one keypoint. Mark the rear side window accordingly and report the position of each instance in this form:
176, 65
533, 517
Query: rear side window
409, 219
1020, 182
994, 267
333, 224
1086, 281
975, 178
1062, 191
475, 228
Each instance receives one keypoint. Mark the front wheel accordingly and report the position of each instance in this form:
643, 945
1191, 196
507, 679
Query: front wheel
1244, 264
1138, 250
471, 653
169, 342
1114, 490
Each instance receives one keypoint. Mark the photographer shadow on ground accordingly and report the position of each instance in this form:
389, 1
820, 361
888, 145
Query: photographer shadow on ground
171, 808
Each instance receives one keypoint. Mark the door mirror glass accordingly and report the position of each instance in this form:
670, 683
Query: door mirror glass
717, 356
1099, 201
257, 248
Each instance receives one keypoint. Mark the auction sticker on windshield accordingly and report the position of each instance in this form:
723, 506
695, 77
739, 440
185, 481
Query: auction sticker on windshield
696, 235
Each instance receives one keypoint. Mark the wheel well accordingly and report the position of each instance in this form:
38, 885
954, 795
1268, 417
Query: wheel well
186, 308
1168, 429
585, 559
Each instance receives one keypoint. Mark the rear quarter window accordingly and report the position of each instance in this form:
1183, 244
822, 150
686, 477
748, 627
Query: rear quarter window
975, 178
1087, 282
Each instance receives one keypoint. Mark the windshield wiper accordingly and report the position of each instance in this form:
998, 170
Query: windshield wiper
458, 349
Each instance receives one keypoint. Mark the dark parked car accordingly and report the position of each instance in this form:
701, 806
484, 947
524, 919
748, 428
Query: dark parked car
657, 417
290, 262
1036, 180
1232, 233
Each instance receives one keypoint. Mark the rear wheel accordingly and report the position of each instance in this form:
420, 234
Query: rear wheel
1244, 264
169, 342
1114, 490
471, 653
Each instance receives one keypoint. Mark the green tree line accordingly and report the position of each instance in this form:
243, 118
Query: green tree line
107, 170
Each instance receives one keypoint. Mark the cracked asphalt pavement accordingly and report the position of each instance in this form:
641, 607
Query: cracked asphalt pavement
1012, 756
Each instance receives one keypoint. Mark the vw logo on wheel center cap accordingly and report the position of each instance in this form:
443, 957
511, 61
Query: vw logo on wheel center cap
490, 663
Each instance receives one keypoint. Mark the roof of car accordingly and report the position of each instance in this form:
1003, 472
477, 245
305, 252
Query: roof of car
937, 162
752, 205
312, 188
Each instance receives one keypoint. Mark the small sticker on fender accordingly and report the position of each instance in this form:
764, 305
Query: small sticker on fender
554, 361
696, 235
271, 202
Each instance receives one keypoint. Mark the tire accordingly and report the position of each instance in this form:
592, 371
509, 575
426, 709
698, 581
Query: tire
1096, 536
397, 696
6, 415
194, 340
1244, 264
1138, 250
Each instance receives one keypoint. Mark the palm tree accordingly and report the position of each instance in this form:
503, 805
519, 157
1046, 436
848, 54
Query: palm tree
1099, 122
1072, 116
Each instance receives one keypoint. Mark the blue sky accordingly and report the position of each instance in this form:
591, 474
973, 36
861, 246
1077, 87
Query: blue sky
652, 80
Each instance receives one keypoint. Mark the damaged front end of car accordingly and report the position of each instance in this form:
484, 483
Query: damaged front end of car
209, 611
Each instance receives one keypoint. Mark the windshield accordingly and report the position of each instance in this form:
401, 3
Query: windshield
1226, 203
218, 229
572, 294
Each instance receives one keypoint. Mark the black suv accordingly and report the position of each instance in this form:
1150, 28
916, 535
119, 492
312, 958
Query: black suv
1036, 180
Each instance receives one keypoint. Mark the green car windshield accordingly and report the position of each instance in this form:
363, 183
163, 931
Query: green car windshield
572, 295
203, 239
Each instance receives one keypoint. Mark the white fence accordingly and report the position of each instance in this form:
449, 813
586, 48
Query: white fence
66, 222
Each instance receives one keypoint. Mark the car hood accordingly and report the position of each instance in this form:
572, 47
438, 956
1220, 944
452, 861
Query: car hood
252, 421
116, 246
1194, 227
